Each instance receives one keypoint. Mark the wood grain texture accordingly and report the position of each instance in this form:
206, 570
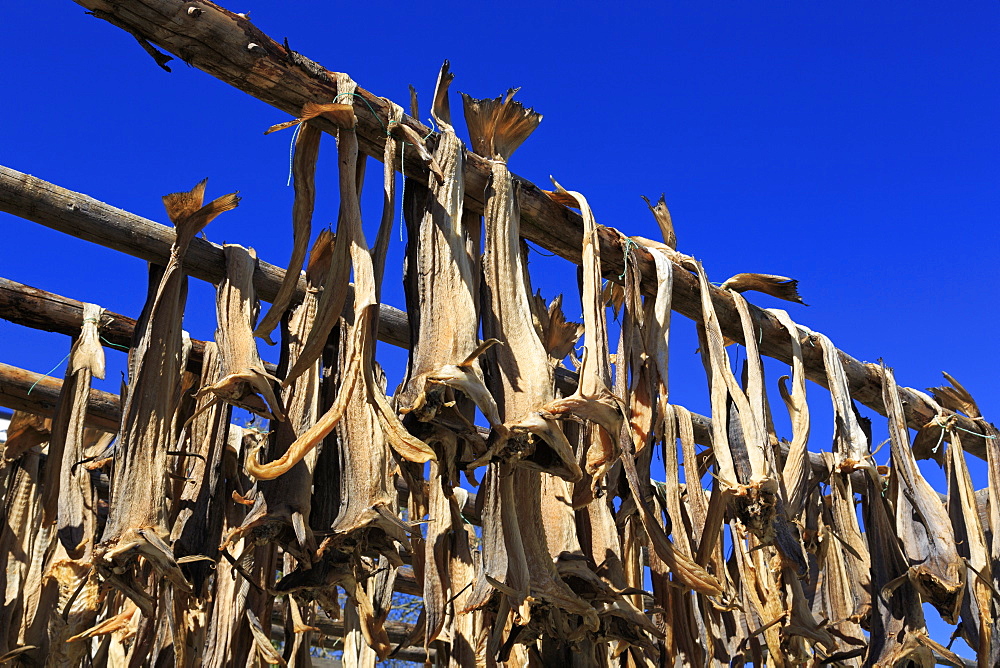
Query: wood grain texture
33, 393
86, 218
229, 47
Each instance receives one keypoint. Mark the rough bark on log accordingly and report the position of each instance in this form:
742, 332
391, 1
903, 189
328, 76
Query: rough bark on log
229, 47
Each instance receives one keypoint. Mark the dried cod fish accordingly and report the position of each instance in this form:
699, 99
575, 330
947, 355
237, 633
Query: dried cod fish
282, 504
350, 243
243, 370
335, 285
796, 470
593, 399
197, 530
936, 570
897, 620
306, 153
67, 496
525, 375
745, 459
137, 517
441, 279
977, 616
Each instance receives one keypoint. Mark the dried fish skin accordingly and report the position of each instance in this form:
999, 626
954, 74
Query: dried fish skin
306, 153
897, 619
936, 571
796, 470
66, 491
336, 282
441, 279
976, 625
593, 399
137, 516
244, 374
281, 509
350, 250
746, 463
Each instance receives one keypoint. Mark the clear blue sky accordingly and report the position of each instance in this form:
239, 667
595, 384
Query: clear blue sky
850, 145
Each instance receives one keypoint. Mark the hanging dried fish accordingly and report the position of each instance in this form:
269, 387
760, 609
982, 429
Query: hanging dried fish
970, 539
796, 470
525, 375
897, 620
335, 285
244, 376
441, 280
593, 399
137, 516
350, 242
936, 571
746, 463
306, 153
66, 487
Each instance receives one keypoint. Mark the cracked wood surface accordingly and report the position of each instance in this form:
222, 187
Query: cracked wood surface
229, 47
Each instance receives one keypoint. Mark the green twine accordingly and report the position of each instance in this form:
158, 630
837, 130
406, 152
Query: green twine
291, 153
628, 243
974, 433
114, 345
49, 372
370, 108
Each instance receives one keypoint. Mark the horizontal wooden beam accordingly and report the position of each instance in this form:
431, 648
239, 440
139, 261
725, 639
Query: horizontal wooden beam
38, 309
229, 47
33, 393
86, 218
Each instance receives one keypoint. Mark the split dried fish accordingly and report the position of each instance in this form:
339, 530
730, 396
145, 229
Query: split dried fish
937, 571
244, 374
306, 153
441, 280
137, 516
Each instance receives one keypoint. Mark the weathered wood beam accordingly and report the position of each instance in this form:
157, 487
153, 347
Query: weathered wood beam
38, 309
229, 47
86, 218
31, 392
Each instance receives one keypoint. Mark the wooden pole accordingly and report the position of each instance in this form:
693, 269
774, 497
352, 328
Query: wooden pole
86, 218
33, 393
229, 47
38, 309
